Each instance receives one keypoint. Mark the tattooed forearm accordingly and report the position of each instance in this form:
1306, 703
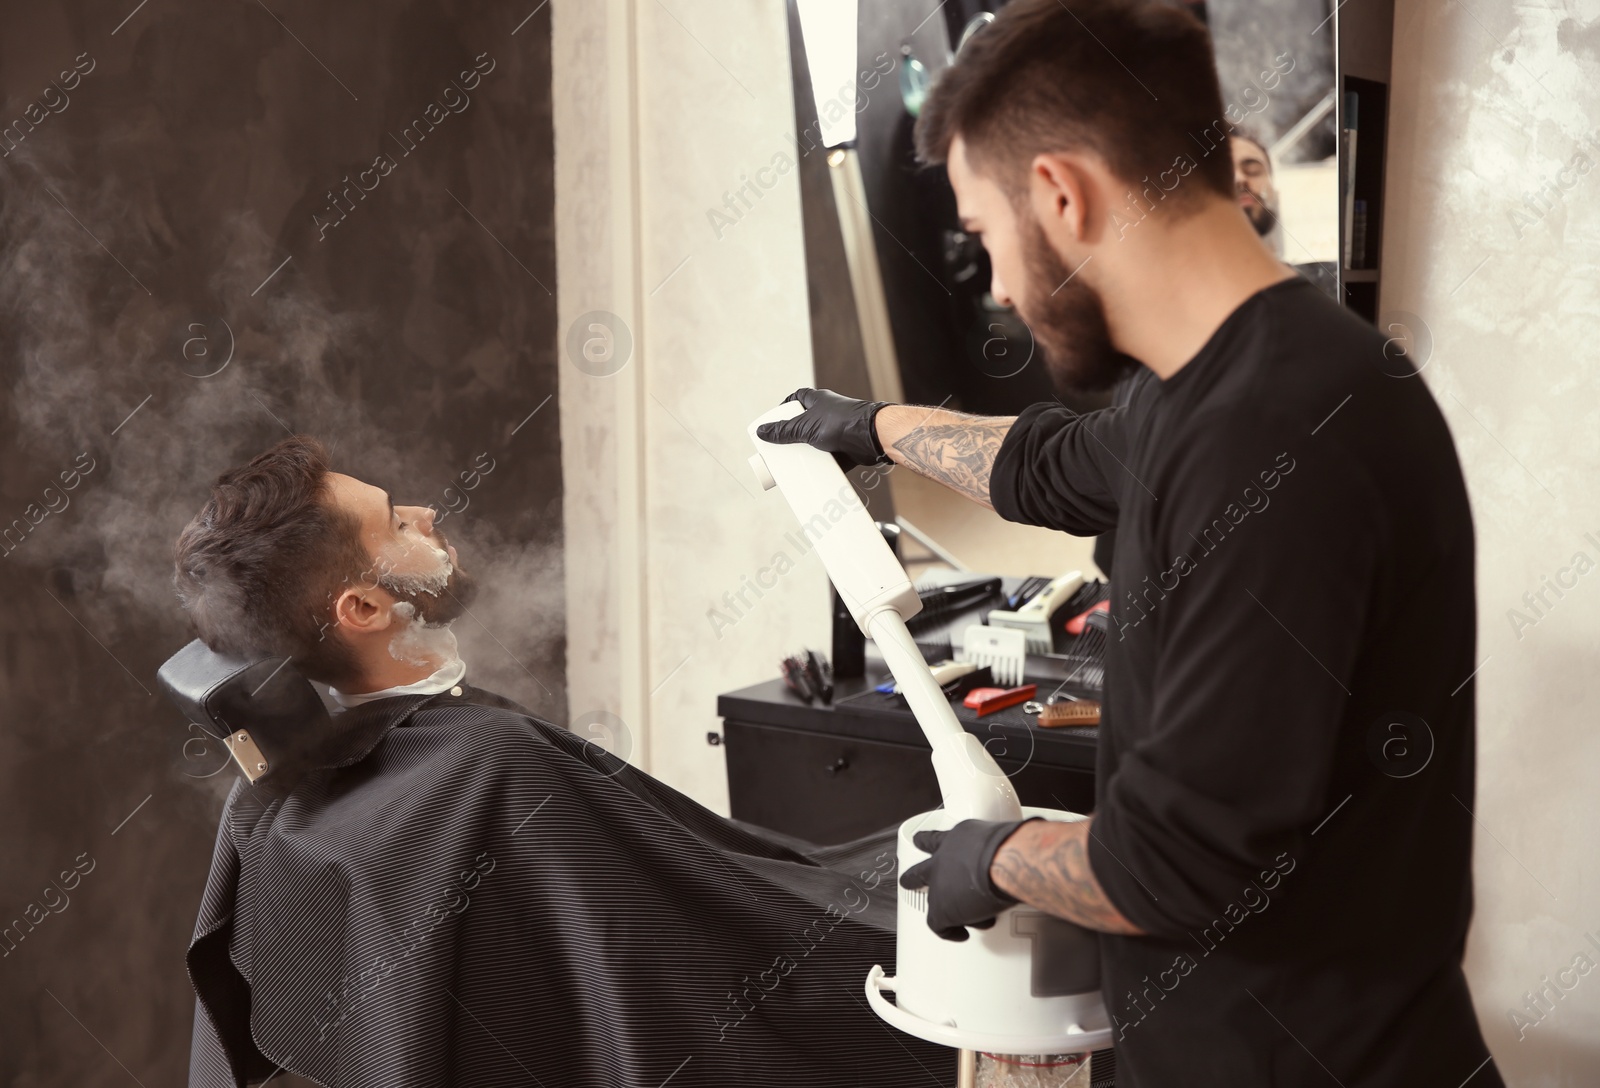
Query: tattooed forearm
1045, 864
956, 449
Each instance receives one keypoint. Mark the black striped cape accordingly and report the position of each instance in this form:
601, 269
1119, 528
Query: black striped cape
451, 891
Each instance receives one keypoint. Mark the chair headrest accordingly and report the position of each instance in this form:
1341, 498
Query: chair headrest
263, 709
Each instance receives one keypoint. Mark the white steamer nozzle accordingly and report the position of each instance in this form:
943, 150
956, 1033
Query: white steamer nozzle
874, 586
1030, 984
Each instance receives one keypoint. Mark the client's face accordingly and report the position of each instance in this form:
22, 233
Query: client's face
1065, 314
1252, 181
410, 558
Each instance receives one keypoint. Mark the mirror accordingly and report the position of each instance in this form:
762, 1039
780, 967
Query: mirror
1275, 65
949, 341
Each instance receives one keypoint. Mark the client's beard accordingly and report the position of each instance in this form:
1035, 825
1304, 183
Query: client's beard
1067, 318
435, 601
1262, 215
436, 608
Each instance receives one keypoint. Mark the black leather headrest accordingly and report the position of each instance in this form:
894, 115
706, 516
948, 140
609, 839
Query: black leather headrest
264, 710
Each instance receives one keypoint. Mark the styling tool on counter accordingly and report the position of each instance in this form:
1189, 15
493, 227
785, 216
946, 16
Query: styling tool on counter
1030, 983
1081, 712
794, 678
1076, 625
820, 673
1088, 651
940, 603
1033, 618
988, 700
1004, 650
809, 676
1026, 592
945, 674
935, 647
958, 688
947, 671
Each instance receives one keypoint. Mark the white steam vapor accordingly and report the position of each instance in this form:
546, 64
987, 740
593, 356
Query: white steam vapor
101, 364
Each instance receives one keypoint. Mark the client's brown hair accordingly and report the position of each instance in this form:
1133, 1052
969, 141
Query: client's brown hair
259, 567
1132, 80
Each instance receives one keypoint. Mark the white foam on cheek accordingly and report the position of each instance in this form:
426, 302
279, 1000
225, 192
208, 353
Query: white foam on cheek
422, 644
431, 580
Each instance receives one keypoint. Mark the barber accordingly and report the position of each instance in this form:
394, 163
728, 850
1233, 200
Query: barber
1279, 860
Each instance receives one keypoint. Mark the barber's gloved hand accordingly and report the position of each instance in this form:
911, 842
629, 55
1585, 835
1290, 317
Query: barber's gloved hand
960, 893
835, 424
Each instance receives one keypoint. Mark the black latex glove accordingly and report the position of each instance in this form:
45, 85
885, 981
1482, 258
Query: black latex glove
960, 893
835, 424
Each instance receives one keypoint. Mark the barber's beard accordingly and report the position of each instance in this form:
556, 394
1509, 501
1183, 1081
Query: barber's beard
1067, 318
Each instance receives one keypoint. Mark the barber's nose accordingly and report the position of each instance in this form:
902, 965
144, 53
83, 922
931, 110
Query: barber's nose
998, 290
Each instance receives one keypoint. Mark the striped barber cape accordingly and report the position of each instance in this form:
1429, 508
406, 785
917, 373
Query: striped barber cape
451, 891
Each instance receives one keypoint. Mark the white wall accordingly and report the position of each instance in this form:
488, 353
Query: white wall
661, 110
1491, 101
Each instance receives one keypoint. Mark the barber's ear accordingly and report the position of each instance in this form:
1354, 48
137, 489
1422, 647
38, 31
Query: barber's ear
1057, 188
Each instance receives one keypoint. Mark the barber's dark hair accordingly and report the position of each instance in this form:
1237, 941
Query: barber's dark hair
1132, 80
258, 569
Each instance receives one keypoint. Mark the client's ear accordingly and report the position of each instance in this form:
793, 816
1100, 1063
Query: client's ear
359, 610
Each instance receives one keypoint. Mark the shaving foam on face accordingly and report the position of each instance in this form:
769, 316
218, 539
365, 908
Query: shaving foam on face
431, 579
422, 644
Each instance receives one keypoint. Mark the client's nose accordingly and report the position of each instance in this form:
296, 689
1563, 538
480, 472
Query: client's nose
420, 516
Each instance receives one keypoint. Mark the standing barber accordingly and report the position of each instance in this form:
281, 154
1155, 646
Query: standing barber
1279, 861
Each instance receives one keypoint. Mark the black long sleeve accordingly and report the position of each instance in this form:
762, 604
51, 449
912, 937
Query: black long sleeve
1270, 544
1292, 584
1058, 468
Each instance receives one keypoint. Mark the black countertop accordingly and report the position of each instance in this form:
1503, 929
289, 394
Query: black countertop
1007, 734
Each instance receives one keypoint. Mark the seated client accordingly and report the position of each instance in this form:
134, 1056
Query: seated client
450, 891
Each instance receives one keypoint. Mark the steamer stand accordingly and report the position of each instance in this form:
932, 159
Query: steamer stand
1030, 985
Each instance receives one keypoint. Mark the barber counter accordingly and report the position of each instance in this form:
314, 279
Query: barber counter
831, 773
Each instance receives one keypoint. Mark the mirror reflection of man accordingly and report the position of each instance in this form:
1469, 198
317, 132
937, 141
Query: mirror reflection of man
1283, 892
1257, 189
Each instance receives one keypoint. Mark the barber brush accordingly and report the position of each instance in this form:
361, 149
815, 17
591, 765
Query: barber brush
1089, 646
796, 680
940, 603
1083, 712
1076, 625
819, 675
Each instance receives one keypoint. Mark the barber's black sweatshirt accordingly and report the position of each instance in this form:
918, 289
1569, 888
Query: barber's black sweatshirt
1285, 773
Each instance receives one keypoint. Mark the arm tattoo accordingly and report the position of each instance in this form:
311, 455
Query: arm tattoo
1046, 865
959, 455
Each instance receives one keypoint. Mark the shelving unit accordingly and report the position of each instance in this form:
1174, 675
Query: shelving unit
1364, 38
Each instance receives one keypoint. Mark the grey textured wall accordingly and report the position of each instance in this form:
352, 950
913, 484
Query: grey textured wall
1249, 37
179, 288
